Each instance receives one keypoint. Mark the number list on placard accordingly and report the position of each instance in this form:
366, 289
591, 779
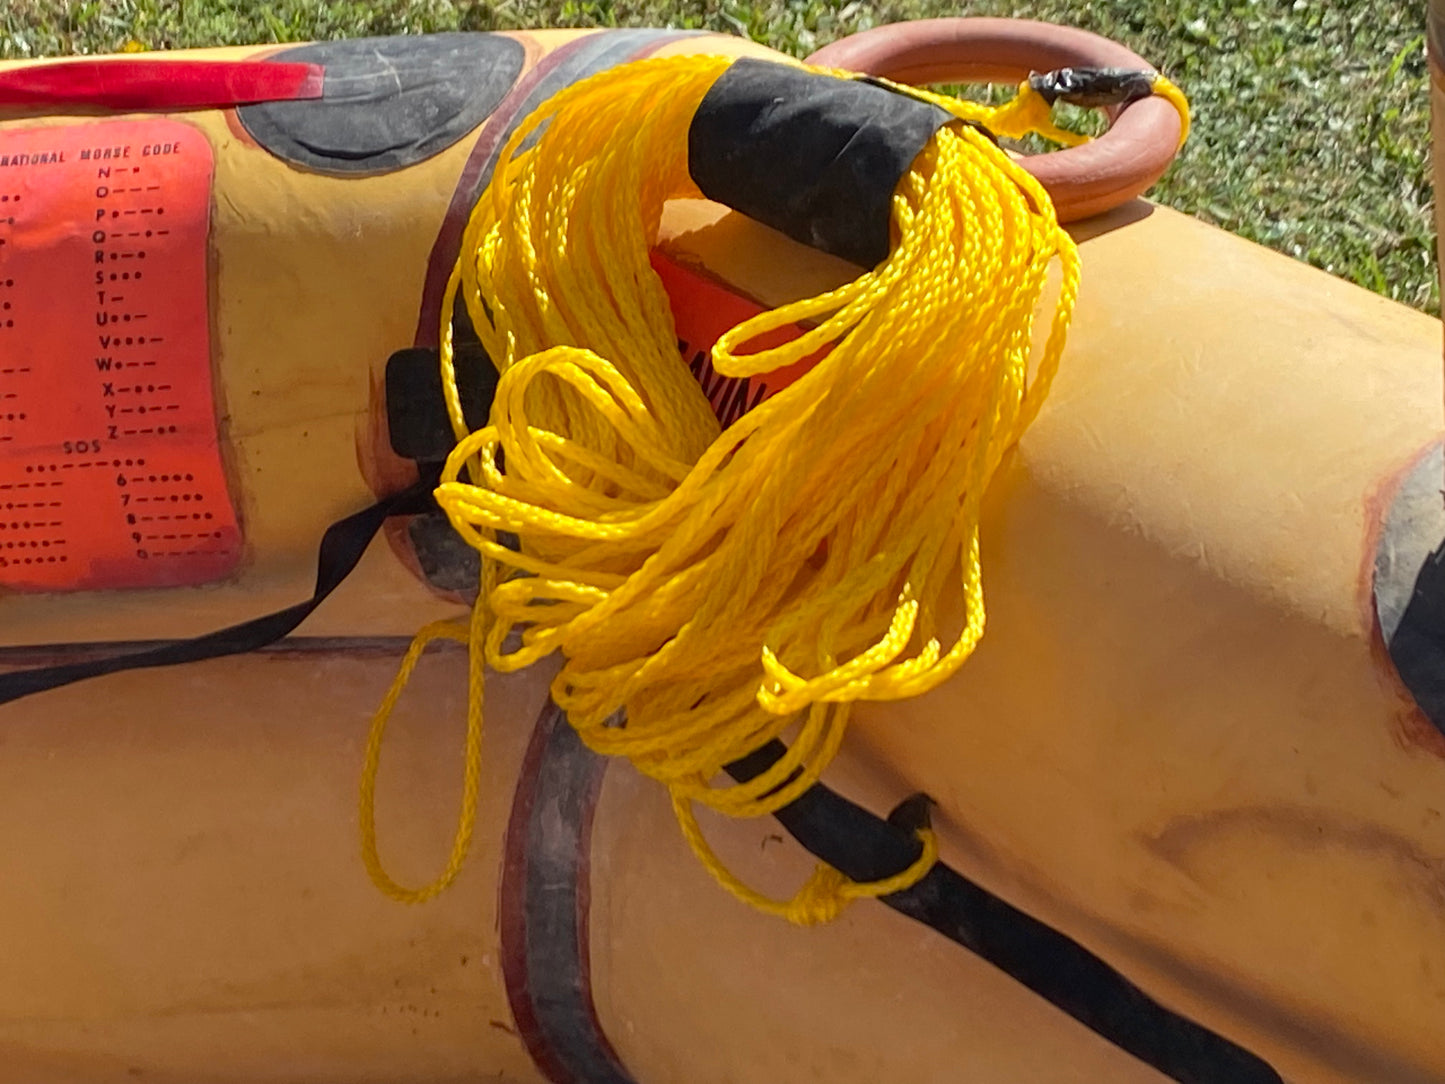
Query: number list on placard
110, 465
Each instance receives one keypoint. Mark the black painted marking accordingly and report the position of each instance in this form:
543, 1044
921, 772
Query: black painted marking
546, 895
1409, 584
416, 411
446, 559
387, 103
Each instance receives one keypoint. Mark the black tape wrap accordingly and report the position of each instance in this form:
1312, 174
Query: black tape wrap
814, 156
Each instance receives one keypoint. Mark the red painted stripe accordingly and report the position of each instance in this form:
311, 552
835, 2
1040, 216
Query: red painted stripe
156, 85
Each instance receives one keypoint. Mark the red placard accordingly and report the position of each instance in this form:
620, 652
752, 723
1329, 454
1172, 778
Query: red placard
110, 462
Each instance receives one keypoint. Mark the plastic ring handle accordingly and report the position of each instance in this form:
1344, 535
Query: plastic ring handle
1097, 176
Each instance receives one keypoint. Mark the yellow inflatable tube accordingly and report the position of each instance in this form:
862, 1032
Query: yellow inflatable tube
1184, 741
319, 261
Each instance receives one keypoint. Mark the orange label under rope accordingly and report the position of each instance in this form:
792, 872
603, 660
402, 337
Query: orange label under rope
110, 463
702, 310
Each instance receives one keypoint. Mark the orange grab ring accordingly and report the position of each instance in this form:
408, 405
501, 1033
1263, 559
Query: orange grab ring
1086, 180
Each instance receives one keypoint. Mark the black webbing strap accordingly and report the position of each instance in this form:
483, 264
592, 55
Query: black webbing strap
867, 848
341, 548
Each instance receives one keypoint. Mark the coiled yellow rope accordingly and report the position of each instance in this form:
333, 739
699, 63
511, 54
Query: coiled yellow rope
727, 588
1029, 111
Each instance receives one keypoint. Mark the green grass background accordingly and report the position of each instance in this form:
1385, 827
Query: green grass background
1311, 116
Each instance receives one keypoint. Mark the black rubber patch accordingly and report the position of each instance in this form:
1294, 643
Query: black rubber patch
387, 103
1410, 584
811, 155
447, 561
416, 417
416, 412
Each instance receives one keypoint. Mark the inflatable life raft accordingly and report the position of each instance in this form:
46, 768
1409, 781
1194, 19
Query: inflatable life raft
1198, 753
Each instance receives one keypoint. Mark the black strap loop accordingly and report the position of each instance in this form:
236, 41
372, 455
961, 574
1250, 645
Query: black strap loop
867, 848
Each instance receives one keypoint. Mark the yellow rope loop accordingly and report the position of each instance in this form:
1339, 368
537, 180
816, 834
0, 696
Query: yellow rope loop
825, 894
727, 588
1175, 97
471, 761
1029, 112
